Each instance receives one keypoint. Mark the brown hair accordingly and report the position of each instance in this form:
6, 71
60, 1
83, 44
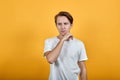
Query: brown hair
66, 14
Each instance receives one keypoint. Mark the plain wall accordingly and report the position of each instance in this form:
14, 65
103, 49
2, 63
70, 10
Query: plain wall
25, 24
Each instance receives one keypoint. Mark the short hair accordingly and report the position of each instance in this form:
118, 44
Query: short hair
66, 14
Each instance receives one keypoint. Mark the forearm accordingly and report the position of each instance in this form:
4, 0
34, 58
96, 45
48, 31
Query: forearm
53, 55
83, 75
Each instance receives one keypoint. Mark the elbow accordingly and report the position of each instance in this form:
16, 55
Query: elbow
50, 60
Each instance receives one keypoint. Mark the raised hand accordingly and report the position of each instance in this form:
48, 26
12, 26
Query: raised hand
67, 37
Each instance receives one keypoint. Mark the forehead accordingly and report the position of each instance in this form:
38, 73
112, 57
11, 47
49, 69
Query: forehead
62, 19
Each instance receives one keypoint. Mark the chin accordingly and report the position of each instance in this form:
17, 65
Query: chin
62, 34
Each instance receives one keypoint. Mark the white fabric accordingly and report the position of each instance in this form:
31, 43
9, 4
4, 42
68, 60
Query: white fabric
66, 67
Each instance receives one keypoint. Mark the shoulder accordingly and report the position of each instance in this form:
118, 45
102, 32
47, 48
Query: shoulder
78, 41
80, 44
50, 39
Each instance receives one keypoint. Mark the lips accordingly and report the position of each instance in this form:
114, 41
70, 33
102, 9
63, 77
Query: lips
63, 31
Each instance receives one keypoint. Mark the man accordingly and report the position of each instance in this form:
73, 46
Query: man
65, 53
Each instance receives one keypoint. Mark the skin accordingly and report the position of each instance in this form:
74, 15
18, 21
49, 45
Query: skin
64, 26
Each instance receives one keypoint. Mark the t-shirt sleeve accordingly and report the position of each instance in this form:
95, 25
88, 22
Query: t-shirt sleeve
83, 55
47, 46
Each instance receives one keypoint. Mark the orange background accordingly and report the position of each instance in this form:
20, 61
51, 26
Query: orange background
25, 24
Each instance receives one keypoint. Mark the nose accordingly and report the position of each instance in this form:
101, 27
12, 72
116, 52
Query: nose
63, 26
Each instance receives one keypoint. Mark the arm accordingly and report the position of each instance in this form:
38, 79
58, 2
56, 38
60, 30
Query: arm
53, 55
83, 74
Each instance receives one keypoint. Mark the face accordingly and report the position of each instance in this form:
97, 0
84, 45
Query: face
63, 25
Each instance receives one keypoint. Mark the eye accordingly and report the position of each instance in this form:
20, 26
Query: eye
65, 23
59, 23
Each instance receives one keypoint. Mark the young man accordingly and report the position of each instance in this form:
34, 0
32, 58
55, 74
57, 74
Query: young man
65, 53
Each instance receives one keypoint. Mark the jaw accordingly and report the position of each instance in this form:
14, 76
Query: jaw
63, 34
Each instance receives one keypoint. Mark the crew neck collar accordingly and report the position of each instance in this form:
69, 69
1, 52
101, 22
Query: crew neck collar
59, 39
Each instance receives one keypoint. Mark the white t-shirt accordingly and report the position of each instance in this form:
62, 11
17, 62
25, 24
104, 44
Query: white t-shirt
66, 66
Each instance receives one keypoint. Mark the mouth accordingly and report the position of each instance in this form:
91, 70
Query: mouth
63, 31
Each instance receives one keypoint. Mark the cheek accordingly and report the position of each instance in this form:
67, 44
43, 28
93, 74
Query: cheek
58, 27
68, 27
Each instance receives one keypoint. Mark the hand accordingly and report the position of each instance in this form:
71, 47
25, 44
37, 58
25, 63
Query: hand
67, 37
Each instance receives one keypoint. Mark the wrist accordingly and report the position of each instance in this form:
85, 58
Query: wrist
62, 40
